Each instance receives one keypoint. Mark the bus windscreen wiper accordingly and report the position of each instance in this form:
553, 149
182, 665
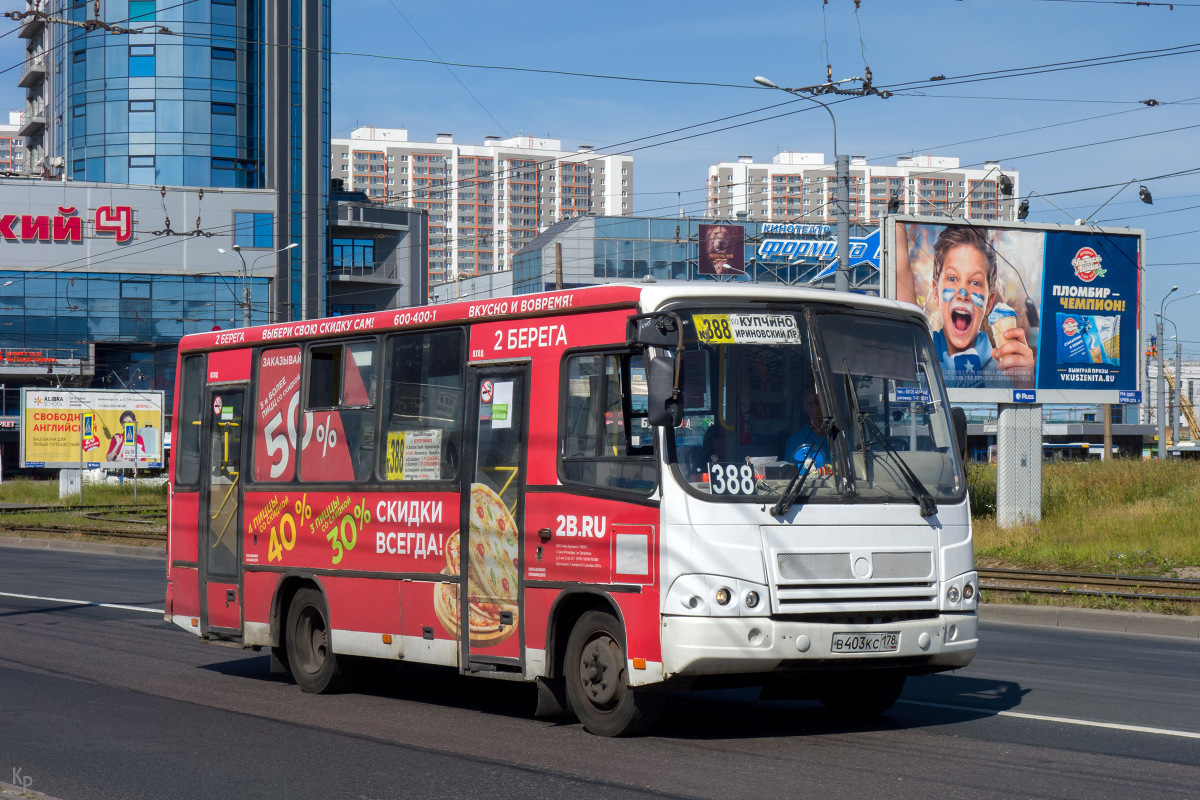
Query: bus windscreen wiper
921, 495
792, 492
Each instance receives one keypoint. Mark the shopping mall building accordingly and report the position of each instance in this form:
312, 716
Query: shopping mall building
174, 178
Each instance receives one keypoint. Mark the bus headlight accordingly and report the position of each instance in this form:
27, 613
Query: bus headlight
723, 596
968, 592
952, 594
751, 599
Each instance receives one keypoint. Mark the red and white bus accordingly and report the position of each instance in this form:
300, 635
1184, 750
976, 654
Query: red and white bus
633, 488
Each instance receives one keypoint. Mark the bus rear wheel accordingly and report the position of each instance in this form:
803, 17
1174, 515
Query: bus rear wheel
313, 664
861, 695
598, 689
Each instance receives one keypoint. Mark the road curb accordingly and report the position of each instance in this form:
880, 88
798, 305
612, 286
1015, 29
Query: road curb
1091, 619
10, 792
95, 548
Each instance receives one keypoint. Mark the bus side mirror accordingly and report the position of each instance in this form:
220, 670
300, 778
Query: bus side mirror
665, 400
958, 418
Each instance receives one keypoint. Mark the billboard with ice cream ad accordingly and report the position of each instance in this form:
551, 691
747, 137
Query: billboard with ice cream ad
1021, 311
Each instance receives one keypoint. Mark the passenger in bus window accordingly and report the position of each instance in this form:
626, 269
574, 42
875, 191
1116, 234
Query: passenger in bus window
805, 446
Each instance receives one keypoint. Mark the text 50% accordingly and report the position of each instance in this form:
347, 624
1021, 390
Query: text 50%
327, 436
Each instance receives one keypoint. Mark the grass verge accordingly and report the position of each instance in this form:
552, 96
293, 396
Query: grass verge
1122, 516
63, 519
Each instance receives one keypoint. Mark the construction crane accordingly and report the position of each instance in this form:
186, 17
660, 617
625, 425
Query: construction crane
1188, 412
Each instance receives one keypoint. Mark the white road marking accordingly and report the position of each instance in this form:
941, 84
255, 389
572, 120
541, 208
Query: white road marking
82, 603
1065, 720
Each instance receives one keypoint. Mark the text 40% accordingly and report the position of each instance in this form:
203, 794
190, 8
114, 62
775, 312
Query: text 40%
283, 536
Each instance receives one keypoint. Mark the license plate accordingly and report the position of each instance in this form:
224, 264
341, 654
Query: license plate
884, 642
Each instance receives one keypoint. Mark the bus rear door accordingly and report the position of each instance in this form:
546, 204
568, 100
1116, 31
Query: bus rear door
221, 513
490, 532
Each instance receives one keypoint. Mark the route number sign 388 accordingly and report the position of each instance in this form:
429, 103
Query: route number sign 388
731, 479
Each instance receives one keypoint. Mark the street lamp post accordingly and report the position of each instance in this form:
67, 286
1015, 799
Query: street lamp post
1172, 395
841, 278
1177, 406
1162, 423
237, 248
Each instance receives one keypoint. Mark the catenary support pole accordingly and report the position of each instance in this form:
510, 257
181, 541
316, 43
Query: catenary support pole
841, 279
1161, 392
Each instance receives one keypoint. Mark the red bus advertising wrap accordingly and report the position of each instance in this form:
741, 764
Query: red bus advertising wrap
612, 492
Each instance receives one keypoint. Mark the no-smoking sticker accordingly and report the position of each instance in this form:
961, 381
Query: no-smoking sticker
217, 406
485, 391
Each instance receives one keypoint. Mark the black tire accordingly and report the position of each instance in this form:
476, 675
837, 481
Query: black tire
598, 689
312, 662
862, 695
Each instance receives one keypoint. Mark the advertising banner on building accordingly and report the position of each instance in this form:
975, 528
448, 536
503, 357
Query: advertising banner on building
67, 428
1024, 313
722, 250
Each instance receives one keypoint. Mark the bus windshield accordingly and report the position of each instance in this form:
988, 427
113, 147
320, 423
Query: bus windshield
818, 403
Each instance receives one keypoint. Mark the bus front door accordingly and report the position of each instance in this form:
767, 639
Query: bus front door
221, 515
493, 513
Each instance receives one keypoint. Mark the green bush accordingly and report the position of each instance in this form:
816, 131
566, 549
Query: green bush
981, 486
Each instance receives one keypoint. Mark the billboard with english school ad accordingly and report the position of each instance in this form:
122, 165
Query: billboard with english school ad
70, 428
1023, 312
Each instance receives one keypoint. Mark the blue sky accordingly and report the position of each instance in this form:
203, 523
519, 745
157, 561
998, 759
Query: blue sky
725, 43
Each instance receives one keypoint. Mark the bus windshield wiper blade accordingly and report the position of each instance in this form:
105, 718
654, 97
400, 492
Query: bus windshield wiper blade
792, 492
852, 399
921, 495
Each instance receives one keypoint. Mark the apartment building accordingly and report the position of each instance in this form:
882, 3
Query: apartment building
12, 146
799, 187
484, 201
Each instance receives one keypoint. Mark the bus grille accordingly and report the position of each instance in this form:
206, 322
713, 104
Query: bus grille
843, 581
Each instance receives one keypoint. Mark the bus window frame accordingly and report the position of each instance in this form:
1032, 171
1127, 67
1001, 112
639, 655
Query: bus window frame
444, 484
306, 375
622, 352
305, 378
183, 393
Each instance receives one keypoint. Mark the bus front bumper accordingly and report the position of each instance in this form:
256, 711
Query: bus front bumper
742, 645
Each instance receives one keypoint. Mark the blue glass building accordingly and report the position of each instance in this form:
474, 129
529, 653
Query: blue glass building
211, 93
615, 249
174, 109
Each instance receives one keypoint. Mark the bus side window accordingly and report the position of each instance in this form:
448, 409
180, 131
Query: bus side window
323, 376
341, 380
187, 444
277, 404
605, 440
358, 405
423, 406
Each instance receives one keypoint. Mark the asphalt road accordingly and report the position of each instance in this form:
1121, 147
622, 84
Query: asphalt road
110, 703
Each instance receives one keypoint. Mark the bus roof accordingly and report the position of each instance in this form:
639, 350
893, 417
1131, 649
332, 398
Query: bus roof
646, 296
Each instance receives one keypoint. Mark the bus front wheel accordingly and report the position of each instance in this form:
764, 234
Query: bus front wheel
310, 658
598, 687
858, 696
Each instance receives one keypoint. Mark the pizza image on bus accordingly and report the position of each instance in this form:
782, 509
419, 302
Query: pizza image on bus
491, 572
